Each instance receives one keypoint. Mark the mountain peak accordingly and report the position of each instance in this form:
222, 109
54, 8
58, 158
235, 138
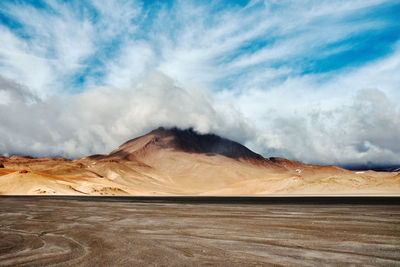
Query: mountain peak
186, 140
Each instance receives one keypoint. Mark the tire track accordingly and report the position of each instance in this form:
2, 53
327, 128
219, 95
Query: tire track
54, 249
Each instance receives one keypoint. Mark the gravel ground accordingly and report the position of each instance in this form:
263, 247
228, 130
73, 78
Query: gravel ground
71, 232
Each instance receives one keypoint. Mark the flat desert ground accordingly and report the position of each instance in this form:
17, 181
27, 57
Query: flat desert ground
72, 231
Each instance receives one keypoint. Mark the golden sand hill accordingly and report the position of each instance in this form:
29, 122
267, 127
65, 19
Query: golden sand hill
183, 162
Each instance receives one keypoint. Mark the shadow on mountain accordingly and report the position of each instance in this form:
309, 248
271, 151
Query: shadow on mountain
188, 141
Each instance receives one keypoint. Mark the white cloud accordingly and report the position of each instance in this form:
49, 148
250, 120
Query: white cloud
98, 120
116, 17
191, 43
56, 44
134, 61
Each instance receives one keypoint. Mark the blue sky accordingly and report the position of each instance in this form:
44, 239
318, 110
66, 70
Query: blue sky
270, 74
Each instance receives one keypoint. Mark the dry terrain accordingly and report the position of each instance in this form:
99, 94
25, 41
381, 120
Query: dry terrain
183, 162
87, 232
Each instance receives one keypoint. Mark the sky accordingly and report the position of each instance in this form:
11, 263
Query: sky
315, 81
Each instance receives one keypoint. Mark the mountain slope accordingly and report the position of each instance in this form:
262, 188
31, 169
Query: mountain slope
183, 141
183, 162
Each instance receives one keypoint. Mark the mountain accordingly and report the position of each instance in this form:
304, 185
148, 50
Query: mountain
171, 161
185, 141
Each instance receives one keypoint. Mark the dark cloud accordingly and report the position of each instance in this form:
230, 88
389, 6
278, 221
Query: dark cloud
13, 91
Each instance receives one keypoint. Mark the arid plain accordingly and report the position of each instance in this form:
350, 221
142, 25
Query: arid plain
78, 232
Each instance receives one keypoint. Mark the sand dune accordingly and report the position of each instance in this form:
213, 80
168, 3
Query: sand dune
177, 162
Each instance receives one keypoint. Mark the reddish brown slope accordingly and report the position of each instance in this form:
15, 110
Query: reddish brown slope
183, 162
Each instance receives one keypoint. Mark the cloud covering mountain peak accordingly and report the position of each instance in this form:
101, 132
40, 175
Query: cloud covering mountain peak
97, 120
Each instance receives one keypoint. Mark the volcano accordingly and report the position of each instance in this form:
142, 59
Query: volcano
187, 141
171, 161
